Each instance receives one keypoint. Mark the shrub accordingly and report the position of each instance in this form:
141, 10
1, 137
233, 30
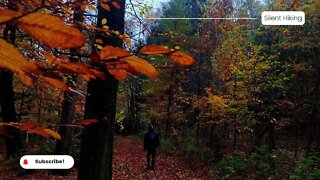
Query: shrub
307, 168
166, 144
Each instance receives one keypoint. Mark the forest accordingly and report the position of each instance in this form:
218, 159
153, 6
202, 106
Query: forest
228, 97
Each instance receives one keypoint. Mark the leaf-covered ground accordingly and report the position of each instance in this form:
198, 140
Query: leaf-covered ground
129, 163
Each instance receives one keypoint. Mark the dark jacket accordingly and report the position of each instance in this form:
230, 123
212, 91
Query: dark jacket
151, 141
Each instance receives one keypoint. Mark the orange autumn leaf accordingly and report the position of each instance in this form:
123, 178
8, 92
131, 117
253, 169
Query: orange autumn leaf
53, 133
56, 83
26, 126
109, 52
154, 49
81, 69
51, 59
128, 68
105, 6
142, 66
87, 122
116, 4
182, 58
91, 7
119, 74
25, 78
98, 74
11, 59
6, 14
77, 68
33, 128
38, 131
51, 31
85, 77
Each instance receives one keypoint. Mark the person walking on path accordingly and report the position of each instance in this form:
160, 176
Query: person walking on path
151, 143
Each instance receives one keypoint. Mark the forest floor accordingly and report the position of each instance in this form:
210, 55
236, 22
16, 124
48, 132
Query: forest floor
129, 163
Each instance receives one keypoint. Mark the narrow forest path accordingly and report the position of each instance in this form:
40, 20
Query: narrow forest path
129, 163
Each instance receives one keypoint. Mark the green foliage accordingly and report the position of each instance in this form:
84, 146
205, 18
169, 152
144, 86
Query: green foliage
46, 148
190, 148
166, 144
307, 168
75, 148
256, 165
142, 132
231, 168
261, 161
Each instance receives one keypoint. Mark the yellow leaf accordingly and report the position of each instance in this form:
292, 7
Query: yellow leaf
182, 58
154, 49
56, 83
51, 31
104, 21
116, 4
6, 15
98, 46
53, 133
109, 52
142, 66
126, 36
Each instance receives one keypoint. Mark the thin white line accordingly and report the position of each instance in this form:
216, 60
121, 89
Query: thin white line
200, 18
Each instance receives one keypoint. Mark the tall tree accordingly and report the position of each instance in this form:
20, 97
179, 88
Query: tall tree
97, 139
8, 112
63, 146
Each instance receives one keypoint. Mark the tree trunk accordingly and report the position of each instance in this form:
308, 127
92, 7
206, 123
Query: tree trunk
170, 103
63, 146
8, 112
314, 118
67, 113
97, 139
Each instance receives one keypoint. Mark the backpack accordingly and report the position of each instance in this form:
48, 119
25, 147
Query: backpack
152, 139
152, 136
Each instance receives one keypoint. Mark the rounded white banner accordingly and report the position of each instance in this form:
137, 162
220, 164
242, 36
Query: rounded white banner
283, 18
46, 162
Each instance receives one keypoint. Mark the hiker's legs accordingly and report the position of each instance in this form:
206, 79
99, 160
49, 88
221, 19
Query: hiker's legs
148, 159
153, 159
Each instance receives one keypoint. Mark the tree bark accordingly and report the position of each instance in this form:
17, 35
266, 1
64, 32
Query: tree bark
63, 146
8, 111
97, 139
170, 103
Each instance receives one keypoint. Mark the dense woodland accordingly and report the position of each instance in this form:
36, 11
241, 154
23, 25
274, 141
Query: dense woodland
239, 98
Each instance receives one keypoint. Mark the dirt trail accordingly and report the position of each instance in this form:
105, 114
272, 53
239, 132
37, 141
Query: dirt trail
129, 163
